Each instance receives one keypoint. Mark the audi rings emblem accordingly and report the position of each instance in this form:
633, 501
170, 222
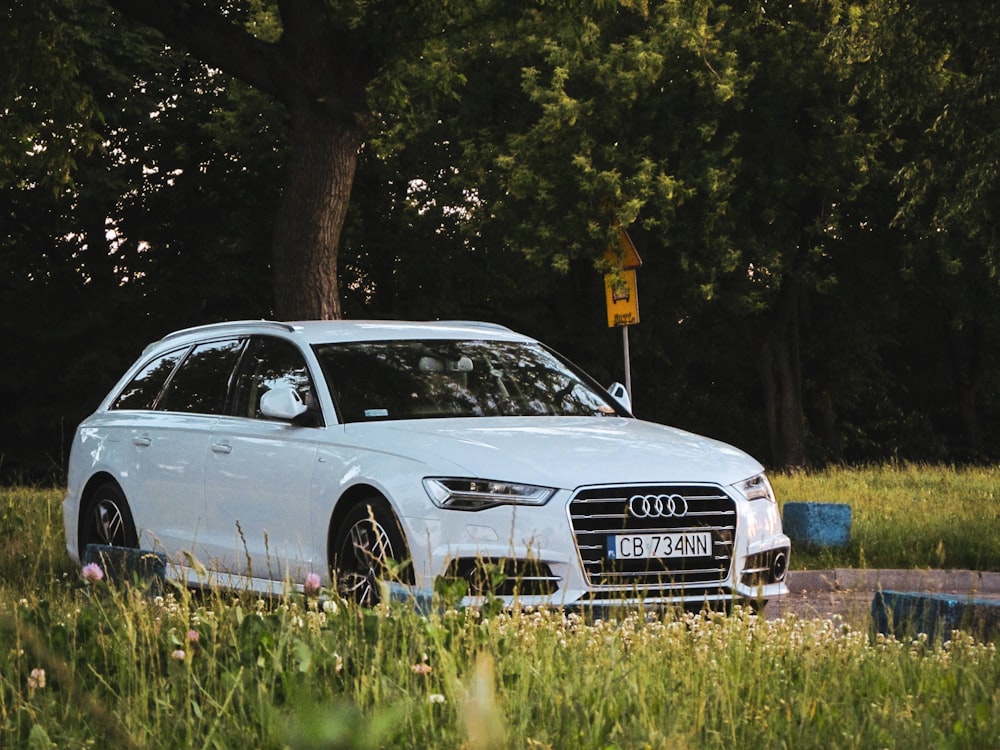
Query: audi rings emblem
657, 506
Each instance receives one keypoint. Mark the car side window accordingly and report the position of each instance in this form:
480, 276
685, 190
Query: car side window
201, 382
269, 362
142, 390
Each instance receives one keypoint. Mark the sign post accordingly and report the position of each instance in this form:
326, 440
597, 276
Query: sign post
621, 294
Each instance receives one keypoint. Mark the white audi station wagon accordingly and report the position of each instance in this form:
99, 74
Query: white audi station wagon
253, 454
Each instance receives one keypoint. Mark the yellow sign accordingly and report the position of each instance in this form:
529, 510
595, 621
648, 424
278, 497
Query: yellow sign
622, 298
624, 255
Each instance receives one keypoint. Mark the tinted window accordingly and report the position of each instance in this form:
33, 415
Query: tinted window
142, 390
415, 379
269, 362
202, 380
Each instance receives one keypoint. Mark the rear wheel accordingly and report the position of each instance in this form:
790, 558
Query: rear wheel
107, 519
368, 541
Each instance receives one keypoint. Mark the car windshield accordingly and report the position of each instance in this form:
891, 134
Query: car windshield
381, 380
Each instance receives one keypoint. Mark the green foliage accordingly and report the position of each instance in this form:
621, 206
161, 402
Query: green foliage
810, 184
616, 103
164, 226
50, 117
930, 77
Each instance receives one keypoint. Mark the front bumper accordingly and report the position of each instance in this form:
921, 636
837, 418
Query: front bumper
556, 555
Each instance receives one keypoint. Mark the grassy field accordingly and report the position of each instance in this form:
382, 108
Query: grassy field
83, 665
905, 516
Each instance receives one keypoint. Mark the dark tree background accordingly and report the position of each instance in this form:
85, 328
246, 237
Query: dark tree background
812, 187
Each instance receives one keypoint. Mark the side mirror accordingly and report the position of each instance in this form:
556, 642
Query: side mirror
282, 402
620, 394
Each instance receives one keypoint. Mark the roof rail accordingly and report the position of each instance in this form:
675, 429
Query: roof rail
474, 324
226, 324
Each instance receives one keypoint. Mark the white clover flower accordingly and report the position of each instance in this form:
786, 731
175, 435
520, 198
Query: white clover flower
36, 680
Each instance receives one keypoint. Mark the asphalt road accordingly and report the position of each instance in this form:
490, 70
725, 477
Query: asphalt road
848, 593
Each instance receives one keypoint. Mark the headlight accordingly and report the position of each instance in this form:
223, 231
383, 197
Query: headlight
756, 488
478, 494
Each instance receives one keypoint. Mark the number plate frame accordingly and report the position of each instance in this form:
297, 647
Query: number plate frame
658, 546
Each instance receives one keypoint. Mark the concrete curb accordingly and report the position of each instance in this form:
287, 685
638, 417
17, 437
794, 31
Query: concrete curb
968, 582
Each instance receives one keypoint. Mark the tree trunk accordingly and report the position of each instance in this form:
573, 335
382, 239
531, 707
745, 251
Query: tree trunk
311, 215
780, 373
965, 355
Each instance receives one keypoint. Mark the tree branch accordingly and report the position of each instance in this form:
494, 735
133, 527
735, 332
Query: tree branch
214, 39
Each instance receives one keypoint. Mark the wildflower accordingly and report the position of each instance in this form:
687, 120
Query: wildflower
312, 584
422, 668
193, 636
36, 680
435, 698
92, 572
178, 654
330, 607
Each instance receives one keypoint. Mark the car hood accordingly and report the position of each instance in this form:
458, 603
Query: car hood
564, 452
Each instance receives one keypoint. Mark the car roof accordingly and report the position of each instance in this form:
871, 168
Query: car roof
336, 331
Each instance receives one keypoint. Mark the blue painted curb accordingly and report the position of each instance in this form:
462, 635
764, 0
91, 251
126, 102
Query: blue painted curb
123, 565
906, 614
817, 524
422, 600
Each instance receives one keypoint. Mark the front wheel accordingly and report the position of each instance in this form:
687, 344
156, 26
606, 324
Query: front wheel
107, 519
368, 541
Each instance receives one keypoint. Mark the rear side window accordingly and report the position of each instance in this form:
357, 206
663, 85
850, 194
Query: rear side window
142, 390
201, 382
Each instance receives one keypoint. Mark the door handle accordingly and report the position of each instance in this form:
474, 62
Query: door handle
222, 448
143, 441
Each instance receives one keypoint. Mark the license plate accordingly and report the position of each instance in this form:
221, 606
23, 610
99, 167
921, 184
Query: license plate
658, 546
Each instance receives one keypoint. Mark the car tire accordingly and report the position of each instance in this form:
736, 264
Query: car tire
107, 519
369, 538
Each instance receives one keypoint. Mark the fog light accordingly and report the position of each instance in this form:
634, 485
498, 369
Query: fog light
766, 567
779, 566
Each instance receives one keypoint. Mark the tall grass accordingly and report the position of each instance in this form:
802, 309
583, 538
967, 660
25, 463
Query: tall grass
85, 665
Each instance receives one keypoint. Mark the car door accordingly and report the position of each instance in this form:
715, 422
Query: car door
169, 444
259, 474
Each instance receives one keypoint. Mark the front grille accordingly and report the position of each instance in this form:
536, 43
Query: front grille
597, 513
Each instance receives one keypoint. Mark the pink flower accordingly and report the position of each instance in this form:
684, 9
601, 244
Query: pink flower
92, 572
193, 636
312, 584
178, 654
422, 668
